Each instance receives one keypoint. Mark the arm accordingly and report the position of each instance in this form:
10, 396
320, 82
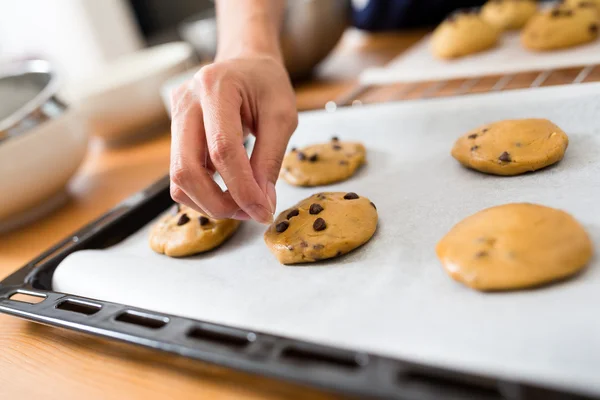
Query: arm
245, 89
249, 26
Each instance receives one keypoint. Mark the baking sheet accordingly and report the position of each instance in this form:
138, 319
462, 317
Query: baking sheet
417, 64
391, 296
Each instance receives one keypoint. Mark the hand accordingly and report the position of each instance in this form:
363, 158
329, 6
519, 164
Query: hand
209, 116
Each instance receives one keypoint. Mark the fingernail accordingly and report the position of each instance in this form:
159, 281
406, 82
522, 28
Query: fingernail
241, 215
272, 196
260, 214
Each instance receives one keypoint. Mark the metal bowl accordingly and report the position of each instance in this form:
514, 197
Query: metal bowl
42, 142
311, 29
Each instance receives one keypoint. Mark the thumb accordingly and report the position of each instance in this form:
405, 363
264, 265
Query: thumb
272, 137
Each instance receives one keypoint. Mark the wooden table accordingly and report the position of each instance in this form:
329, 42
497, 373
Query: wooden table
52, 363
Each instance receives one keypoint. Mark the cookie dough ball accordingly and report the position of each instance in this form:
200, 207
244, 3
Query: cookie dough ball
462, 34
508, 14
582, 3
514, 246
184, 232
323, 226
511, 147
323, 164
561, 27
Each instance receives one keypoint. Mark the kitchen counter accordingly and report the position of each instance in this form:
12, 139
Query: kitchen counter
52, 363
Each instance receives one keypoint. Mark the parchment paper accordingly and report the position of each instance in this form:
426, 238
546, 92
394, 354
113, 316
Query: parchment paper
418, 64
391, 296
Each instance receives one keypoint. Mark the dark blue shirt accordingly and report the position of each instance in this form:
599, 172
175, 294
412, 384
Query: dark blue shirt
380, 15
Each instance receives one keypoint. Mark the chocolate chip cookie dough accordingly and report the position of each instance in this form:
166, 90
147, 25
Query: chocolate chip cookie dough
323, 164
184, 232
514, 246
462, 34
508, 14
511, 147
581, 3
561, 27
323, 226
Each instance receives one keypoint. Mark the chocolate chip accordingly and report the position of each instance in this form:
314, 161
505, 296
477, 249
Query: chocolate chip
337, 147
474, 148
484, 130
184, 219
282, 226
504, 157
203, 220
303, 244
586, 4
293, 149
290, 248
472, 136
315, 209
318, 246
319, 224
351, 196
294, 213
335, 139
555, 12
518, 144
567, 13
343, 162
373, 204
480, 254
313, 158
594, 29
301, 156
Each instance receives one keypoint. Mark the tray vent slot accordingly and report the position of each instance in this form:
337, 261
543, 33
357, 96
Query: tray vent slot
27, 298
230, 340
346, 360
80, 307
142, 319
446, 385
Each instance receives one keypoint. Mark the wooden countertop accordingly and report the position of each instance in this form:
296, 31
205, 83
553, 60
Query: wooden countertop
41, 361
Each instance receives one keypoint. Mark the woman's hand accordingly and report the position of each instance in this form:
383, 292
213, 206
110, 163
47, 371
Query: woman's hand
246, 89
210, 115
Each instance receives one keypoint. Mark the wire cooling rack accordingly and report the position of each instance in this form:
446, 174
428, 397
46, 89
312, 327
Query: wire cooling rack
458, 87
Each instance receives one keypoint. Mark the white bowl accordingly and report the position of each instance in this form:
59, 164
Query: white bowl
123, 100
44, 143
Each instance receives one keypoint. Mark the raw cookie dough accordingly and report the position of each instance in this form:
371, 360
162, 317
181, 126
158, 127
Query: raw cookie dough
322, 226
184, 232
511, 147
514, 246
322, 164
582, 3
462, 34
508, 14
561, 27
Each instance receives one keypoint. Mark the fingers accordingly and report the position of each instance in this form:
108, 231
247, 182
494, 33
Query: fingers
273, 134
191, 182
221, 104
180, 197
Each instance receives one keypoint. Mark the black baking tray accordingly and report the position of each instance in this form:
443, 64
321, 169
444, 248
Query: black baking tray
342, 371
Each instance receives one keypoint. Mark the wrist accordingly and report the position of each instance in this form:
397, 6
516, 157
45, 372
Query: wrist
245, 49
249, 29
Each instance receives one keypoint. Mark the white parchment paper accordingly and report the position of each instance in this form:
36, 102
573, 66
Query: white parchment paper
392, 296
418, 64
